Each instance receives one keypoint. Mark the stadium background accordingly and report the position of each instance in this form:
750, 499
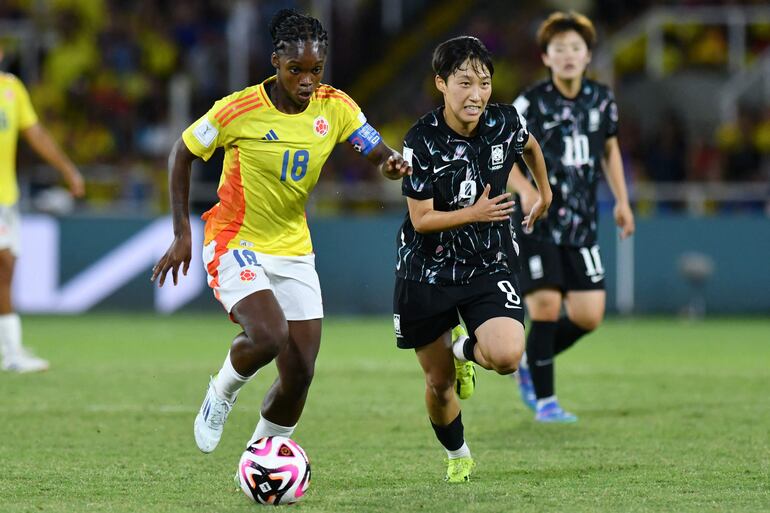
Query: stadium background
117, 81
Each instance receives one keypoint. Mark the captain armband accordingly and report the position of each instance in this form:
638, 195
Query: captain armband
365, 139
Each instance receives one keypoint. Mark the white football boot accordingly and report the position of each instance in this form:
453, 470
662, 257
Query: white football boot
24, 361
210, 421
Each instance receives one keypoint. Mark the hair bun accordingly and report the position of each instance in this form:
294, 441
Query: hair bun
279, 18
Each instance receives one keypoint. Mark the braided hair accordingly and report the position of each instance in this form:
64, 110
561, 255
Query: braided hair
289, 26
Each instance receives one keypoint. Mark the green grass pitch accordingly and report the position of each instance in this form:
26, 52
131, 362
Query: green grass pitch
674, 416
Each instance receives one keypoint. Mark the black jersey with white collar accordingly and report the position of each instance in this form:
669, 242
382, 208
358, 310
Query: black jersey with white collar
453, 171
572, 133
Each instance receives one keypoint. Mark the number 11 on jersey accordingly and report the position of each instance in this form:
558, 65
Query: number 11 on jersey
298, 167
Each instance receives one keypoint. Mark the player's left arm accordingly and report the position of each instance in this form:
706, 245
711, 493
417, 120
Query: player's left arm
533, 157
367, 141
613, 170
45, 146
389, 162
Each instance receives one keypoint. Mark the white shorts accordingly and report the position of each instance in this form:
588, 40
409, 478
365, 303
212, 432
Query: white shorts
9, 229
234, 274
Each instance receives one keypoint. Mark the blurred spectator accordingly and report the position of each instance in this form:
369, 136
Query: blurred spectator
107, 67
666, 153
736, 141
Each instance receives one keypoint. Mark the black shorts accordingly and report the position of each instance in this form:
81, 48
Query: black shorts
548, 265
422, 311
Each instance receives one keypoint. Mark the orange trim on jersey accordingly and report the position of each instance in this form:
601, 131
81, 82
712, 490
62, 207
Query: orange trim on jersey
326, 89
233, 105
345, 98
263, 93
229, 215
235, 112
238, 113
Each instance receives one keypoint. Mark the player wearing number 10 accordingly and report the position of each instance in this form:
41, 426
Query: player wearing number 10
576, 120
258, 254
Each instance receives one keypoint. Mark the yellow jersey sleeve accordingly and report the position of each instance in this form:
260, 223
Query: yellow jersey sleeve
219, 127
27, 115
351, 117
346, 112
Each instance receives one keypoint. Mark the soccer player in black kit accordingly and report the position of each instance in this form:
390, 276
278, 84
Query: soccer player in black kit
455, 250
576, 121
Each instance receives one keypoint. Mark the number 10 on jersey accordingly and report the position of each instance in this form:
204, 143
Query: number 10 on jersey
298, 165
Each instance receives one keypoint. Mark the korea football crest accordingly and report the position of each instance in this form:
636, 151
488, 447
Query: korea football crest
498, 157
594, 118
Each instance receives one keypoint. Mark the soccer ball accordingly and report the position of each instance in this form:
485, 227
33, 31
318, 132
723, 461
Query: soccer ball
274, 470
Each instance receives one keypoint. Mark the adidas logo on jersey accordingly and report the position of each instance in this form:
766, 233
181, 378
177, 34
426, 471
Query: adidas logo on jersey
270, 136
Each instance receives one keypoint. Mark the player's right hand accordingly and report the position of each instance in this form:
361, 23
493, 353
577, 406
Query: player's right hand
492, 209
178, 255
527, 200
537, 211
76, 184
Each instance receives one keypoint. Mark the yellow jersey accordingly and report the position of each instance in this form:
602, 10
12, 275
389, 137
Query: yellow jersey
16, 114
272, 163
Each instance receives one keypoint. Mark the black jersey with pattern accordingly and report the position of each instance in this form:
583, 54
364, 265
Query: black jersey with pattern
453, 171
572, 134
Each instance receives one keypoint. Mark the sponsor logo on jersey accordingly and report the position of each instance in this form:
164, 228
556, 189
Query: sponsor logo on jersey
270, 136
246, 244
205, 132
498, 156
320, 126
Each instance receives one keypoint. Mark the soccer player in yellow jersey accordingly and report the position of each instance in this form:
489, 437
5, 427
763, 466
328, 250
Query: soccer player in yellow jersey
257, 250
18, 117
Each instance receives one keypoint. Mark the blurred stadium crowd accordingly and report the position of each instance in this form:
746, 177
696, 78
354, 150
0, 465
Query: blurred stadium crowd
109, 71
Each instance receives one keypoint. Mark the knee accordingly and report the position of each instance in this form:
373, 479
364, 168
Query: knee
263, 338
588, 322
440, 387
507, 362
544, 308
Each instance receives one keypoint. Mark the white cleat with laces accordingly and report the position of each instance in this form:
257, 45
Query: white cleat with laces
210, 421
24, 361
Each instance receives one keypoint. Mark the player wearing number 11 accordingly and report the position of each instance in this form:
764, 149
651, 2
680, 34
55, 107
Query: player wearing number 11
257, 250
576, 121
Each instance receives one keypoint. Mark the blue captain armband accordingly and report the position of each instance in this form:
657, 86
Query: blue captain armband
365, 139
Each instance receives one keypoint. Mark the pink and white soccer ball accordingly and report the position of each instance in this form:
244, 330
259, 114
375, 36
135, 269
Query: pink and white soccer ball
274, 470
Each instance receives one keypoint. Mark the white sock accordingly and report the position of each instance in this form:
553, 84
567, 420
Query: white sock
462, 452
457, 348
545, 400
10, 335
267, 428
228, 382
